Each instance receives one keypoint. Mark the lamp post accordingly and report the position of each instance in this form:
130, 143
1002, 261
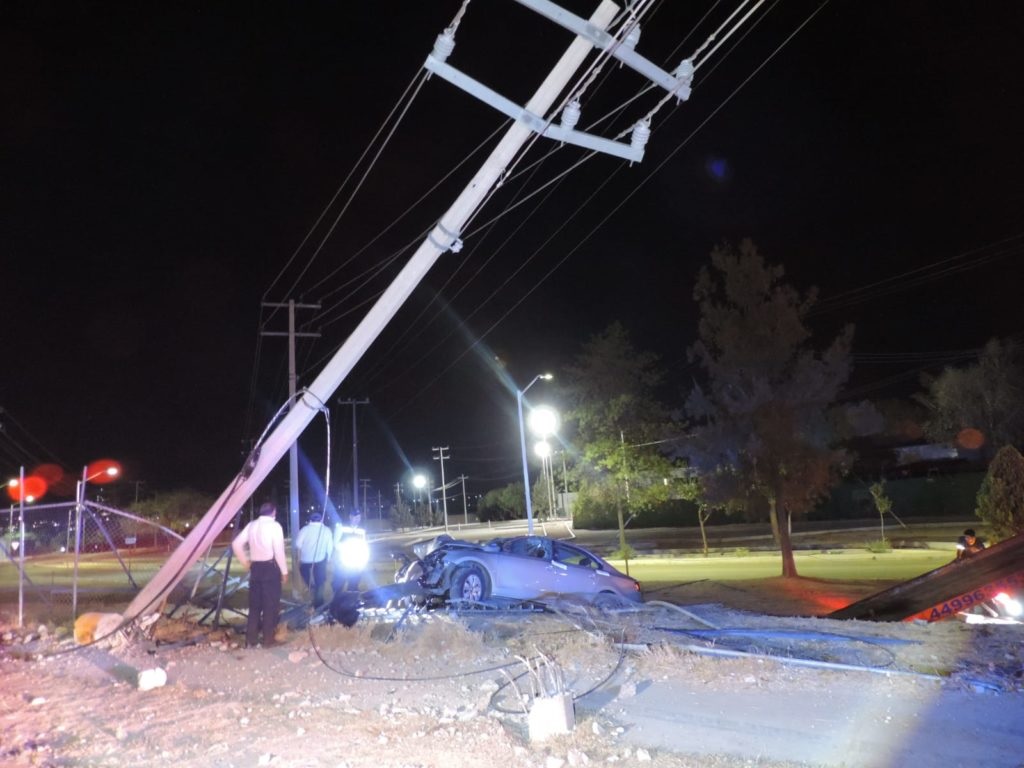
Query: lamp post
109, 470
522, 446
543, 449
420, 482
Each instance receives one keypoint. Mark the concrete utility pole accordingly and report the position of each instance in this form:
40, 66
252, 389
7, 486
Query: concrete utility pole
441, 238
444, 489
355, 452
293, 452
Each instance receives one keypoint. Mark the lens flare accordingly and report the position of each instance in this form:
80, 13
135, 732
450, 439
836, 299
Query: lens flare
32, 489
102, 471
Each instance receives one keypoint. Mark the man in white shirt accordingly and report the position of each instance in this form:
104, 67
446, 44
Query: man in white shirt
315, 543
268, 570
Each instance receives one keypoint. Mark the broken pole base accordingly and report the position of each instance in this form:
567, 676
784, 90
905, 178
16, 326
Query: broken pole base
551, 716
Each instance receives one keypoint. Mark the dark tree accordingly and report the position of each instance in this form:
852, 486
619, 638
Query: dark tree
760, 426
981, 403
1001, 496
611, 390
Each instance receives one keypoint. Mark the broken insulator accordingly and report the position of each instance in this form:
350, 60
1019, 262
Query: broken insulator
571, 114
444, 45
641, 133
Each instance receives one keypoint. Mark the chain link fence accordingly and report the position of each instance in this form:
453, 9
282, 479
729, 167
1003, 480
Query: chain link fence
65, 559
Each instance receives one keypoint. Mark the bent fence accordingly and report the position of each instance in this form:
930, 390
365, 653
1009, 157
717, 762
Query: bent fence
61, 559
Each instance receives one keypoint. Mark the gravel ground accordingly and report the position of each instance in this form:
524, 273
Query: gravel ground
669, 684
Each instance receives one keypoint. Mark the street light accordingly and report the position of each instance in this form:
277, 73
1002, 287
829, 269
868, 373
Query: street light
543, 450
107, 470
543, 421
419, 482
522, 445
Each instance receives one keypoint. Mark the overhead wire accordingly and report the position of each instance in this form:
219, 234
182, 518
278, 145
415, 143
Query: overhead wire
635, 19
481, 304
415, 327
941, 268
261, 322
551, 182
577, 93
404, 101
416, 204
584, 79
575, 165
617, 207
7, 417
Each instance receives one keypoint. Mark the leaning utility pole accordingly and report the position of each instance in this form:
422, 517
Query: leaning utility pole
443, 236
293, 451
444, 489
355, 452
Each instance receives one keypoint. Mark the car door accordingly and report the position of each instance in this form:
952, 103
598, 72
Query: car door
522, 570
574, 570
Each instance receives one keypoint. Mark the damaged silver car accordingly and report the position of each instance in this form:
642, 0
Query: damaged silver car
520, 568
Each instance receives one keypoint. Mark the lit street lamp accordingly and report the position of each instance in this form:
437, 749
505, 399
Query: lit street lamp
419, 482
107, 470
522, 445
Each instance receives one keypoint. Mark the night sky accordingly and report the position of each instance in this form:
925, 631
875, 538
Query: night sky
162, 167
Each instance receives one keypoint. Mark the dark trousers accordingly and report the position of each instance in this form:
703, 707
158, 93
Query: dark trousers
314, 576
264, 602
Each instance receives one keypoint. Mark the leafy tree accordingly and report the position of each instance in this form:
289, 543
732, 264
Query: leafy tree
987, 397
178, 510
618, 422
400, 515
761, 426
507, 503
1001, 496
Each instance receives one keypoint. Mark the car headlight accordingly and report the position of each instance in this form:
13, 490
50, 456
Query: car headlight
353, 553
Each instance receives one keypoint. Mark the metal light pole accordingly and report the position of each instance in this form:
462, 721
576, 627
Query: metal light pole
522, 446
419, 482
444, 489
110, 471
21, 547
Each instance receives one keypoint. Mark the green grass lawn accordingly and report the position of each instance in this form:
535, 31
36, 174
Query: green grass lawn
845, 565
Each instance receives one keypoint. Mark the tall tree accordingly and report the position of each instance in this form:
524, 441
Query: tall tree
760, 417
611, 390
1001, 496
984, 401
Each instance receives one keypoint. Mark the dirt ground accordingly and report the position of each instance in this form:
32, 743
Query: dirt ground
700, 675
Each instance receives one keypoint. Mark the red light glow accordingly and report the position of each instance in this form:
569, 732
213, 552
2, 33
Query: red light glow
102, 471
970, 438
33, 489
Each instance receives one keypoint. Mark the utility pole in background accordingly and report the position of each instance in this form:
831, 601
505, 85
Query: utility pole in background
444, 490
293, 451
355, 452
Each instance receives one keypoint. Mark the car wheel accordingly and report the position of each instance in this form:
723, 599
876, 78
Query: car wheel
606, 601
470, 584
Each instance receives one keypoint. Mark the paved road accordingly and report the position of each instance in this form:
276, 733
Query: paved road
861, 726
